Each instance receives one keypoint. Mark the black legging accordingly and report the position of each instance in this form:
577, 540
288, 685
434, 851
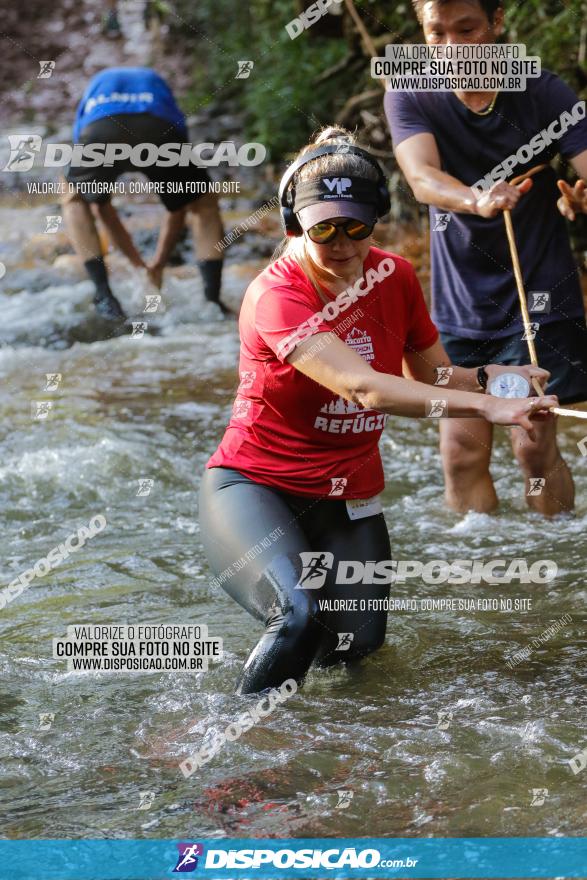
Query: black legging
253, 536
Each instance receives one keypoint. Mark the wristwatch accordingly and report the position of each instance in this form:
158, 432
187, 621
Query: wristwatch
509, 385
482, 378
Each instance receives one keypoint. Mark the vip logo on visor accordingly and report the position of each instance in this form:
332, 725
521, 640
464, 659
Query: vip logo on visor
341, 184
334, 189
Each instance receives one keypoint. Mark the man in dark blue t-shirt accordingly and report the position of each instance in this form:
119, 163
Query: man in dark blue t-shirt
456, 150
134, 106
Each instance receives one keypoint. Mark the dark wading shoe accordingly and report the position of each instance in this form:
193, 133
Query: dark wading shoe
107, 306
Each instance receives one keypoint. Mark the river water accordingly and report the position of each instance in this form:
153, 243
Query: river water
355, 753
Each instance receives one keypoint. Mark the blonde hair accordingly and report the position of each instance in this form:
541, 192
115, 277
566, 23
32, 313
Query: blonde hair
333, 165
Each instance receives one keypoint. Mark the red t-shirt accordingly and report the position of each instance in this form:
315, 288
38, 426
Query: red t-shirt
290, 432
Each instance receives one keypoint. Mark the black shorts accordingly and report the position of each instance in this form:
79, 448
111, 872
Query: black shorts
561, 348
133, 129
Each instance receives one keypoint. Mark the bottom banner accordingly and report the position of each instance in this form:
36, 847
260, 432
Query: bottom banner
303, 858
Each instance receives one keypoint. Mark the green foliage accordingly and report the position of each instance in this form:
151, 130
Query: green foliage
555, 31
280, 98
283, 102
283, 97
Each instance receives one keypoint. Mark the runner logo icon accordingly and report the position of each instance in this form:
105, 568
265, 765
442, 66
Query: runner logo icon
138, 329
443, 375
539, 796
445, 717
52, 223
153, 301
46, 69
540, 301
436, 409
46, 719
315, 568
53, 380
146, 799
344, 799
441, 222
244, 69
187, 860
241, 409
23, 148
530, 332
247, 379
536, 487
345, 641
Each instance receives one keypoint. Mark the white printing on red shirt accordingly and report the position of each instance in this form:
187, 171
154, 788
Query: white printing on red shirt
288, 431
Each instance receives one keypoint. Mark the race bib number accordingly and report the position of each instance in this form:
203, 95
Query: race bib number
359, 508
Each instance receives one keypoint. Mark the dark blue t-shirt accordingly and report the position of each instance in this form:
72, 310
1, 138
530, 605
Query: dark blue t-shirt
473, 285
119, 90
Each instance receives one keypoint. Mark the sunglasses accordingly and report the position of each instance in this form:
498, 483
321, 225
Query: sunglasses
323, 233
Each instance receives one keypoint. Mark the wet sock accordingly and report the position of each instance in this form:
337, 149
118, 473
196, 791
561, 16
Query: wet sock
211, 272
106, 303
96, 269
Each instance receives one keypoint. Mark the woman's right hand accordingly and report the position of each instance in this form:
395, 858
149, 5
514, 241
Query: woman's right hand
521, 411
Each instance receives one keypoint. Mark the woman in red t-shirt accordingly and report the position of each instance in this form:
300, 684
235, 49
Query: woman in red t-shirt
290, 516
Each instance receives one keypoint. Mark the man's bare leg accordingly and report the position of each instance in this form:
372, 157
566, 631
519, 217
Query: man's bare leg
542, 460
81, 228
83, 234
465, 448
117, 232
207, 227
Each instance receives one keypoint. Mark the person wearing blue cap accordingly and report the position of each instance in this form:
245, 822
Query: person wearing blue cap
134, 108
